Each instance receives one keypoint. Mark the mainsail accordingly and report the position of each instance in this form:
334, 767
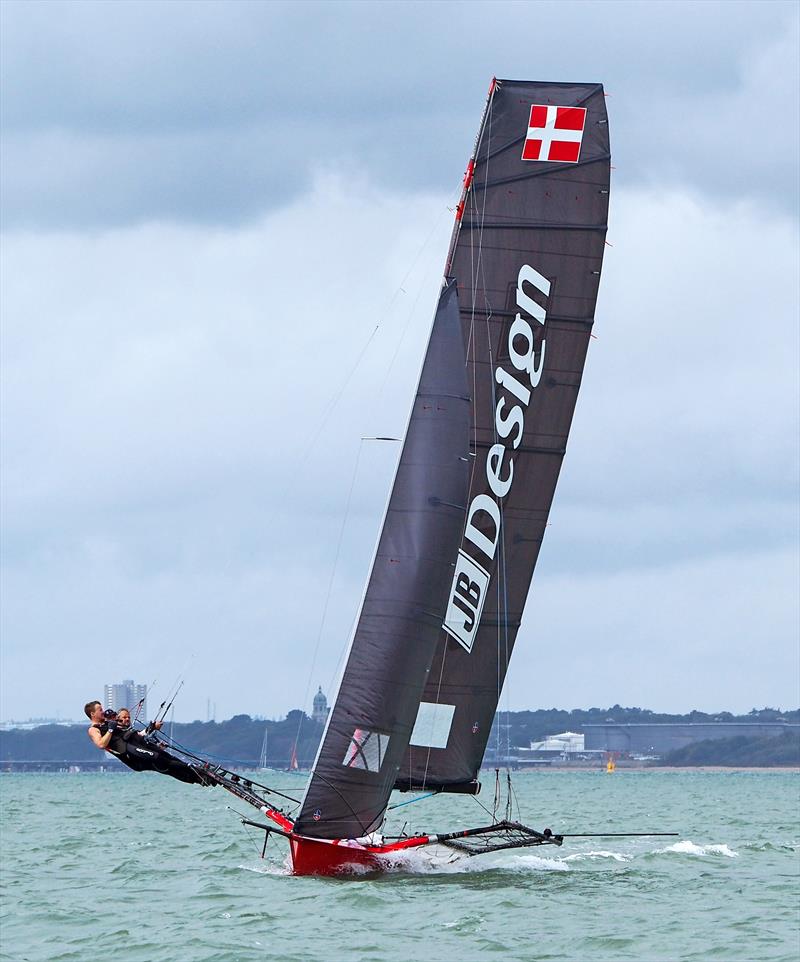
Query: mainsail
480, 461
401, 614
526, 254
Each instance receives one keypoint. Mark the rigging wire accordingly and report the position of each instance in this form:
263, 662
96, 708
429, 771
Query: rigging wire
480, 804
445, 210
261, 850
328, 410
329, 590
411, 801
330, 406
177, 746
174, 688
140, 703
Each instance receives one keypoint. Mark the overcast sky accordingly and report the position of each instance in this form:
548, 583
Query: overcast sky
224, 227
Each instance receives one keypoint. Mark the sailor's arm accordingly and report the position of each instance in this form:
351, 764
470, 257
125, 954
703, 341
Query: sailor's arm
101, 741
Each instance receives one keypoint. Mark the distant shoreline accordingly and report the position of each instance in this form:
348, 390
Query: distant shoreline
85, 768
668, 768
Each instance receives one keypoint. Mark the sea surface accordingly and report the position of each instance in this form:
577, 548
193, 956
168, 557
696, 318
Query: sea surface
140, 868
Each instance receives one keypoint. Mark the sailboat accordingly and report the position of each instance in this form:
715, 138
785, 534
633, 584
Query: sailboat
472, 491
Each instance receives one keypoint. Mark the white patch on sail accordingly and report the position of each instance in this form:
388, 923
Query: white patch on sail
467, 596
432, 727
366, 750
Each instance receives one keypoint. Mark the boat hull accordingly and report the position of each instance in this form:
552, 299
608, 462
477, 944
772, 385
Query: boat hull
312, 856
317, 856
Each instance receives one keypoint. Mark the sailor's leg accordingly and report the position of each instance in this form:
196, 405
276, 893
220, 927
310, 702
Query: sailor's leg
170, 765
133, 763
150, 758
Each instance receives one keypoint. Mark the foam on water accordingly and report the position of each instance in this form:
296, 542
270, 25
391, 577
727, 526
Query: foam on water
581, 856
440, 861
688, 847
266, 868
437, 860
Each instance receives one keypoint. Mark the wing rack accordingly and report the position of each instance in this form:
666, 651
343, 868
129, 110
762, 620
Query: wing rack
494, 838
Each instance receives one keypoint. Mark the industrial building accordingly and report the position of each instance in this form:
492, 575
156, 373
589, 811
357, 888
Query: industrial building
566, 742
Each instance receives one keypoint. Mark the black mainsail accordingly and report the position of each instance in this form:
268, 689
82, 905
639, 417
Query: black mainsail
480, 461
471, 496
526, 254
401, 614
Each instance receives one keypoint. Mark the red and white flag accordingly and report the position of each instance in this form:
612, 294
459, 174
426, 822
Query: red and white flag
554, 133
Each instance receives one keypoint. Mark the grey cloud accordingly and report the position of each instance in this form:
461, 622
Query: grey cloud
172, 482
714, 632
220, 115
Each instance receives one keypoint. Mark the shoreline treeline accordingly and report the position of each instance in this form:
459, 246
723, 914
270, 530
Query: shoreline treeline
240, 740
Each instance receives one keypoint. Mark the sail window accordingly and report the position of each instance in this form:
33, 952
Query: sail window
366, 750
432, 727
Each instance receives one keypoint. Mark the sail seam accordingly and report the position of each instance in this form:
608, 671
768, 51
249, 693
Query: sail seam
548, 170
544, 225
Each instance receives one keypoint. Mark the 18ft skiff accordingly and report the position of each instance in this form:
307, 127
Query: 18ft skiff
473, 487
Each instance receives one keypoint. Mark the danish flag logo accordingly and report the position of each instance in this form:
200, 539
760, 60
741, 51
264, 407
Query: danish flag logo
554, 133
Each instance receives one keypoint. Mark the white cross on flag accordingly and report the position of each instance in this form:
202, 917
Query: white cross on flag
554, 133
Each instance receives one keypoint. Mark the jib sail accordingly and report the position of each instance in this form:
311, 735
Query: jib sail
401, 614
526, 255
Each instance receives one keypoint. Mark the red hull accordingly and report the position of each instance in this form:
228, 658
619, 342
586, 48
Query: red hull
313, 856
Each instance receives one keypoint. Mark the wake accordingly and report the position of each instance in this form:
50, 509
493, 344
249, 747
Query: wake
440, 861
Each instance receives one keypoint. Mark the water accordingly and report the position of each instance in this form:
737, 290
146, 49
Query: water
145, 869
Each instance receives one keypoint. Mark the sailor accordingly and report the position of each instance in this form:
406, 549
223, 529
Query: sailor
132, 748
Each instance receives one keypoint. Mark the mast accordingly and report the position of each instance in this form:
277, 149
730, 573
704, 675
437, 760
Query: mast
262, 764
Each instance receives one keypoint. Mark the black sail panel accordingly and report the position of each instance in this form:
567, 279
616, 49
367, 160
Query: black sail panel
401, 614
526, 254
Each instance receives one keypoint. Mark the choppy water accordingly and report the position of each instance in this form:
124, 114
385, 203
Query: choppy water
145, 869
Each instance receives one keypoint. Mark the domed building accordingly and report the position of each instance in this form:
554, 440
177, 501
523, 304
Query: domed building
320, 710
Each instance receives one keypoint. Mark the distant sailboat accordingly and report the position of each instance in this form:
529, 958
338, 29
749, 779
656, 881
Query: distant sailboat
262, 762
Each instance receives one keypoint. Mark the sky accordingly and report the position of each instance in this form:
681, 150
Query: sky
223, 231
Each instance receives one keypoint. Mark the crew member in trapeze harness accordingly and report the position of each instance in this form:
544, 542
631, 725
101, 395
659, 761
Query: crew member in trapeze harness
112, 733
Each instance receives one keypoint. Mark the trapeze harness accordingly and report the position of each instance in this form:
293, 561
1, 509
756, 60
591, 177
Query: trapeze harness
131, 749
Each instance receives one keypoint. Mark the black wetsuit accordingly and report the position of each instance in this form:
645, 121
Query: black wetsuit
130, 747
